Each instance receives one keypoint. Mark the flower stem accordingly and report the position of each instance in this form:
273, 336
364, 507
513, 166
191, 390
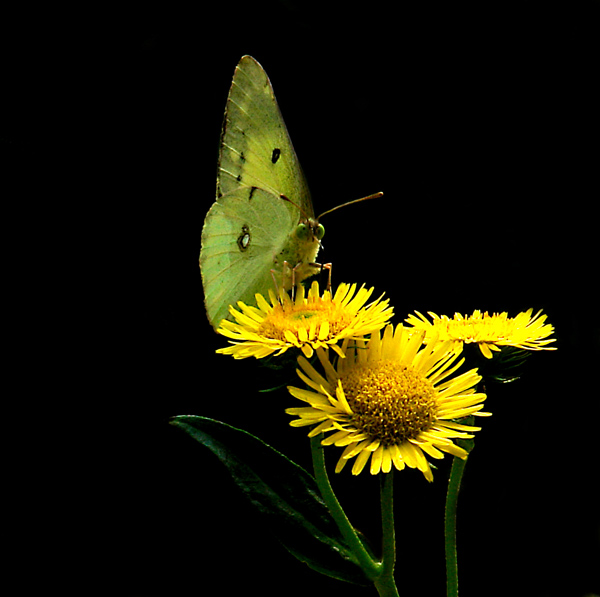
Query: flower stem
456, 473
385, 584
371, 568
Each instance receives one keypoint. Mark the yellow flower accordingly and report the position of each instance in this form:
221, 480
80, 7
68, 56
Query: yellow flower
392, 400
307, 322
490, 332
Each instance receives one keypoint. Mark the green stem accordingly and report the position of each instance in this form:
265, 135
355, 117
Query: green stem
456, 473
381, 573
385, 583
371, 568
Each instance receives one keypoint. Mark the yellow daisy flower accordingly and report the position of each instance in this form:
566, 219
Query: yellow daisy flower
307, 322
490, 332
391, 400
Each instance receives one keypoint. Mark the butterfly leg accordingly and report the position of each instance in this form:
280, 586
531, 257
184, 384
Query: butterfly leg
327, 266
288, 278
295, 275
307, 270
273, 272
289, 272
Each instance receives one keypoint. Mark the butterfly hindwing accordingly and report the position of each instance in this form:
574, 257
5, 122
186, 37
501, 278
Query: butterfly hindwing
244, 235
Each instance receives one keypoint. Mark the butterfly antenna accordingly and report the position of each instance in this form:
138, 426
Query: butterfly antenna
282, 196
373, 196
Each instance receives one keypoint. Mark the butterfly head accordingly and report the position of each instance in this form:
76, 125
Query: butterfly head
310, 230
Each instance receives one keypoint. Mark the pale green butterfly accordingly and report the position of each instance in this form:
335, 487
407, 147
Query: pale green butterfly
261, 232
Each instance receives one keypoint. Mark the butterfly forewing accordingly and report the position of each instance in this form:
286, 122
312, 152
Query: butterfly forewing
256, 149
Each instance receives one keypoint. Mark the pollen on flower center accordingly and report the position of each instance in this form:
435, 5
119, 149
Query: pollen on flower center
391, 402
477, 328
292, 318
302, 314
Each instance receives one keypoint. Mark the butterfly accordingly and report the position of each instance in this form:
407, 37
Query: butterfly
261, 232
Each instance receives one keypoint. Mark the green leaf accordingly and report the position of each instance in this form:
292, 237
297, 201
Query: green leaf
283, 492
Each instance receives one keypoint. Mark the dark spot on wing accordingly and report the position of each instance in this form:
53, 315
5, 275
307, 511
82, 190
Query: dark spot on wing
243, 240
239, 178
251, 193
275, 155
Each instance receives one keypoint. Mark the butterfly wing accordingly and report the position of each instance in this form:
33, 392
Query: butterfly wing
244, 238
256, 149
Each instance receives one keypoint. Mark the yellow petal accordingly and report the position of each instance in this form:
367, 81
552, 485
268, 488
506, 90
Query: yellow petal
360, 462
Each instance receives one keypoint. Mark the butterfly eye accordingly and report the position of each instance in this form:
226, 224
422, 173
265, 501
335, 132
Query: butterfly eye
319, 232
302, 231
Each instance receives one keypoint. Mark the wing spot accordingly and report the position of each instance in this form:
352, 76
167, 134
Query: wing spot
275, 155
243, 240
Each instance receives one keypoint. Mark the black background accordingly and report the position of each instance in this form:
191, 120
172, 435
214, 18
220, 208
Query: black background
479, 123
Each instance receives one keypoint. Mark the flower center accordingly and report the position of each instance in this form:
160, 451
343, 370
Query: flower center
478, 327
391, 402
291, 317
